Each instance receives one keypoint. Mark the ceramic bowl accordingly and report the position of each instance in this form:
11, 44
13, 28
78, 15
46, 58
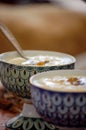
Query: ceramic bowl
62, 108
16, 77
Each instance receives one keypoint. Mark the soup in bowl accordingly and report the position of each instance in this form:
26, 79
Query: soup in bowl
16, 71
59, 97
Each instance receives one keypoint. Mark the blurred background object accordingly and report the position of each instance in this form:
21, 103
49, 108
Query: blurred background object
22, 2
74, 5
81, 61
84, 0
44, 27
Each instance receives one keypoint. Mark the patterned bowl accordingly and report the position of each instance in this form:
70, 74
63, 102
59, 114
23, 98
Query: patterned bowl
61, 107
16, 77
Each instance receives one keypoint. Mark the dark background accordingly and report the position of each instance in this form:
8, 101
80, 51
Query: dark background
24, 1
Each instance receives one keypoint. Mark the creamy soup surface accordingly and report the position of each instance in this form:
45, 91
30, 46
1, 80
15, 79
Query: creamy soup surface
41, 61
59, 83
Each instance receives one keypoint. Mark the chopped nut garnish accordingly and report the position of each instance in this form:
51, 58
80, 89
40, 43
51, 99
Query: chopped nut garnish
74, 81
42, 63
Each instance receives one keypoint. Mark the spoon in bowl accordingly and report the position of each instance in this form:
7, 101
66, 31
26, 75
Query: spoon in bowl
8, 34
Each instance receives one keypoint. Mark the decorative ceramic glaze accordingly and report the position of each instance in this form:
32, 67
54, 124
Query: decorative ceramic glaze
26, 123
29, 119
61, 108
16, 77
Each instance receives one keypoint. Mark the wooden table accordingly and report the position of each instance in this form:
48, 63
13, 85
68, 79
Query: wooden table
4, 117
6, 113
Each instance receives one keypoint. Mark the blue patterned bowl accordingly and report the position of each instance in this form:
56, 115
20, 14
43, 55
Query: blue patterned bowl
16, 77
61, 108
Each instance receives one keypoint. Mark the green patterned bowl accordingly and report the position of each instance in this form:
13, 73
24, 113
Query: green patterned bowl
16, 77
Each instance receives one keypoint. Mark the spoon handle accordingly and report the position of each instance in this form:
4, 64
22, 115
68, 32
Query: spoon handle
7, 33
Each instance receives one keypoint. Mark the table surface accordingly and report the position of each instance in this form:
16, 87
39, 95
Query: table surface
4, 116
7, 108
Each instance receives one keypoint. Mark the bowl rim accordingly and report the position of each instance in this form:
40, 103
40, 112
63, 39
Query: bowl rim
54, 53
59, 73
